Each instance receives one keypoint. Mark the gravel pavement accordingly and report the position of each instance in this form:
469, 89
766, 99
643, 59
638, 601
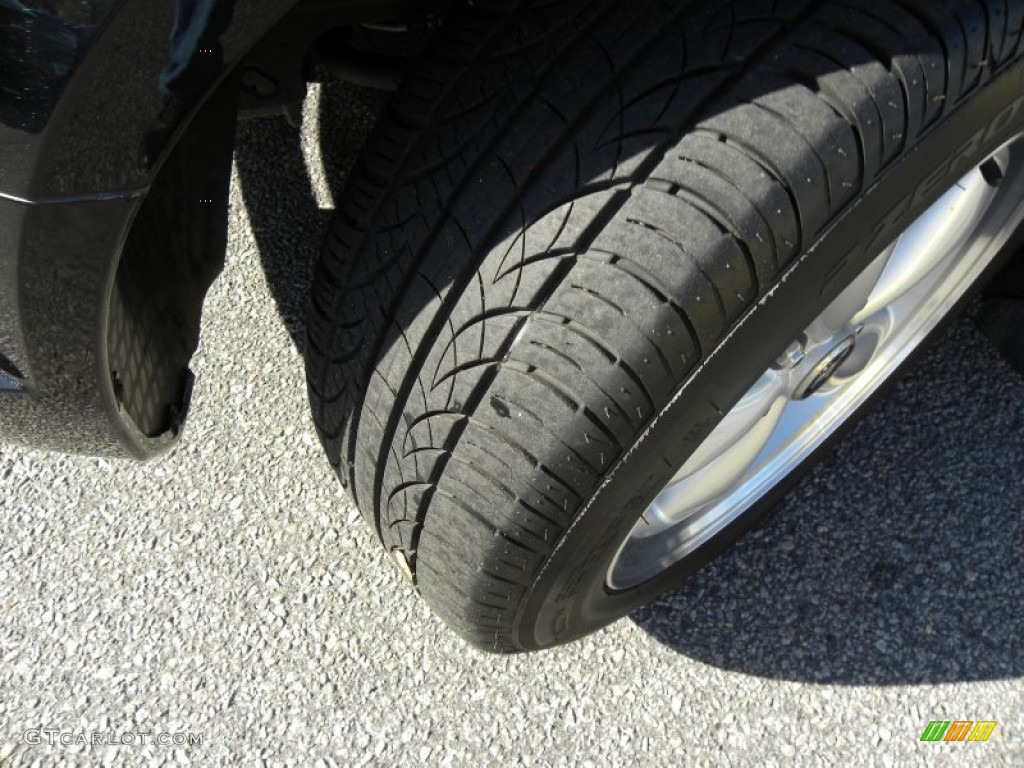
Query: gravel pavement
230, 590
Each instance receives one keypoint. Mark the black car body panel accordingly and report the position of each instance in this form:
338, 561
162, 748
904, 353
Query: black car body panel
88, 93
94, 97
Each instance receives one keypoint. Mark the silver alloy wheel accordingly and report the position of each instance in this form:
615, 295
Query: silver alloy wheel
824, 376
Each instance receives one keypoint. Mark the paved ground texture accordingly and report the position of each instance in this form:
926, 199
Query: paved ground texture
230, 590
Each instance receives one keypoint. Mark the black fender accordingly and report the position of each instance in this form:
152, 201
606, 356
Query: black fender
116, 131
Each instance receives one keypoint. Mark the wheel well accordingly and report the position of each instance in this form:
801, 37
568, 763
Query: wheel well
175, 246
173, 251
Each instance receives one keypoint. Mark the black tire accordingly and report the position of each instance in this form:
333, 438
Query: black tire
581, 232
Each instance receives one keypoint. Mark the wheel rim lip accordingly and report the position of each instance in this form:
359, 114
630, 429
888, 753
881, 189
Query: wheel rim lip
963, 266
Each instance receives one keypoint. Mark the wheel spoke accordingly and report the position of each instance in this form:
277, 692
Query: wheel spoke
713, 478
935, 240
742, 418
840, 312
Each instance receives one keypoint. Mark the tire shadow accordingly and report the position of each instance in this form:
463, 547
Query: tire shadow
277, 184
897, 560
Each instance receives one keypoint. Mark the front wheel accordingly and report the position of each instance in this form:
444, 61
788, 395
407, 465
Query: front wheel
611, 276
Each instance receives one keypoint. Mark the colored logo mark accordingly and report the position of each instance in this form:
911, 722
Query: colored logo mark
958, 730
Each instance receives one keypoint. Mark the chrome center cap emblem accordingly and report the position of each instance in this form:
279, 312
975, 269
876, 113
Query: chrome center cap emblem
827, 367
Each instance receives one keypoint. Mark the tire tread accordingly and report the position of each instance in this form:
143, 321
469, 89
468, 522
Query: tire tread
475, 370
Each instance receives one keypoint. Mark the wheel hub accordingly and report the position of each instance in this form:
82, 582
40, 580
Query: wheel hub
827, 367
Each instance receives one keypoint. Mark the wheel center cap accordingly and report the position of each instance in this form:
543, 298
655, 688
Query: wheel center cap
826, 367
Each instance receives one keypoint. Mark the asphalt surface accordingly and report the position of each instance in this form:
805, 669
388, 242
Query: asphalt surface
231, 590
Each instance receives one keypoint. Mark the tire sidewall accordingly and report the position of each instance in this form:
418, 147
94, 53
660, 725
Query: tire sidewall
569, 597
